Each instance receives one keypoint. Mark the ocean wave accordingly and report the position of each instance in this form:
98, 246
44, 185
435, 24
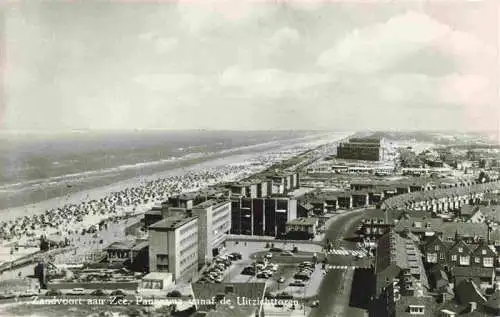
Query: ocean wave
76, 176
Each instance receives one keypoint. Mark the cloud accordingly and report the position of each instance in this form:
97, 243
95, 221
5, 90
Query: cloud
271, 82
160, 43
167, 82
374, 48
469, 90
285, 36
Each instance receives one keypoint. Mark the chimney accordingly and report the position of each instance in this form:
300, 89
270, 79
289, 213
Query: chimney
472, 306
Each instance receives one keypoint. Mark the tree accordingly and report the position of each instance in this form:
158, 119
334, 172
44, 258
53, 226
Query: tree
483, 177
44, 244
174, 293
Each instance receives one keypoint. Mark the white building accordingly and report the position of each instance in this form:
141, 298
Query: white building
173, 247
214, 223
155, 283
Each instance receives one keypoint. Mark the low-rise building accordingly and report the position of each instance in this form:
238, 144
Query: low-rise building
302, 228
156, 283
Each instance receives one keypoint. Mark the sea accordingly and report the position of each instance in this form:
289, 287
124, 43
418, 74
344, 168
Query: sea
37, 166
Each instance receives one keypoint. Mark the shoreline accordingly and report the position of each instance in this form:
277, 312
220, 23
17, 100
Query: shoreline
263, 155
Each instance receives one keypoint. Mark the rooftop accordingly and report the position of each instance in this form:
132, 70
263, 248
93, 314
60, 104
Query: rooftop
212, 203
158, 276
121, 245
172, 223
303, 221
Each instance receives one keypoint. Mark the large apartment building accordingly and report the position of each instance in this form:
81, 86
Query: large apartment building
262, 216
364, 149
173, 247
214, 220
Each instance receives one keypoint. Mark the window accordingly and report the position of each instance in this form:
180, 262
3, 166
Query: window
436, 248
460, 250
162, 268
454, 257
416, 310
431, 257
483, 252
441, 256
488, 262
162, 258
477, 260
464, 260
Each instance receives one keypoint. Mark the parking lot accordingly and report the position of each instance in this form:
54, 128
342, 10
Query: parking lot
277, 268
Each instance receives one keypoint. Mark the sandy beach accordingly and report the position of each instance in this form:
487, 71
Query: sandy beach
227, 167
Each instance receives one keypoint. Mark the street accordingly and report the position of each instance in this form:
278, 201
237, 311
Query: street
335, 291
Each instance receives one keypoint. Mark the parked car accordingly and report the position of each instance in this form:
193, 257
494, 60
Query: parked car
98, 292
118, 292
269, 255
286, 253
284, 295
276, 250
281, 280
315, 303
236, 256
248, 271
262, 275
77, 291
53, 292
297, 284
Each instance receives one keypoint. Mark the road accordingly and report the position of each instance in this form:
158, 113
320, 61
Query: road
335, 291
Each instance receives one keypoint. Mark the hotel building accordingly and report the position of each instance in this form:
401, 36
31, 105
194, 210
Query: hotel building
364, 149
173, 247
214, 223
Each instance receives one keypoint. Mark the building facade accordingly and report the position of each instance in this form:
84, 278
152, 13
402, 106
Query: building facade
365, 149
173, 247
262, 216
214, 223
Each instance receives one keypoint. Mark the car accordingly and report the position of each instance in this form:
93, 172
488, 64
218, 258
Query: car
259, 266
118, 292
284, 295
262, 275
76, 291
98, 292
281, 280
236, 255
297, 284
276, 250
7, 296
248, 271
218, 280
269, 255
53, 292
286, 253
315, 303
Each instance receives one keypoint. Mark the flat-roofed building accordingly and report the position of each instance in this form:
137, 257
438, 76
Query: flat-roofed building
214, 223
173, 247
302, 228
365, 149
262, 216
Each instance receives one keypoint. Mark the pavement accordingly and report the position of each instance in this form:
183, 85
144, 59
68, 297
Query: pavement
287, 267
335, 290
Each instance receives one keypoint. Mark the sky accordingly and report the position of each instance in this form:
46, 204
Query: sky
250, 65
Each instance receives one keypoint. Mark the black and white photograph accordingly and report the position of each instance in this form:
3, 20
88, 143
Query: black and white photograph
249, 158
